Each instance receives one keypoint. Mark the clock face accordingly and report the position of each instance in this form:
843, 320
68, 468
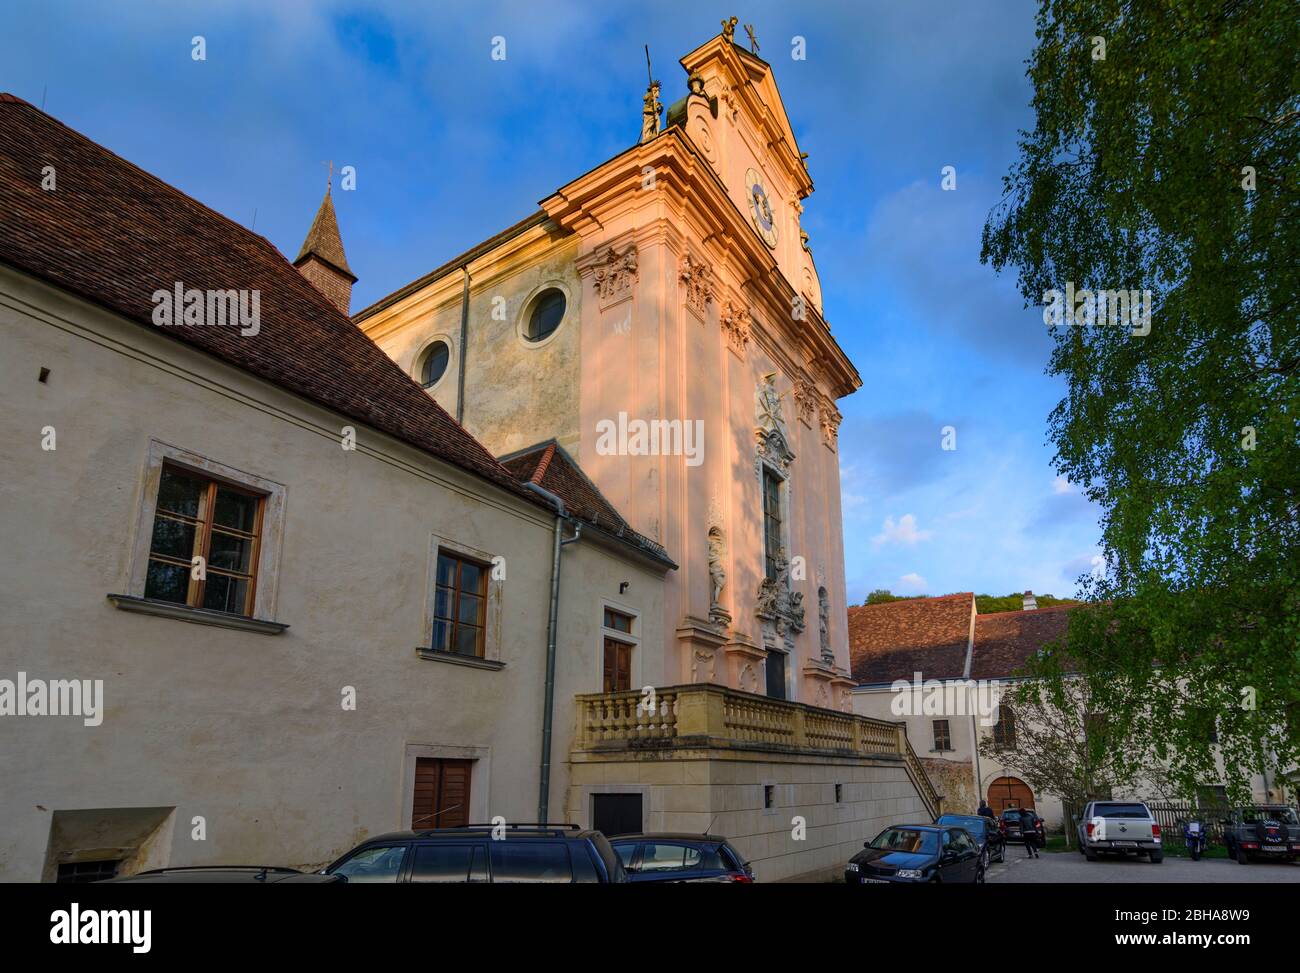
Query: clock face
760, 209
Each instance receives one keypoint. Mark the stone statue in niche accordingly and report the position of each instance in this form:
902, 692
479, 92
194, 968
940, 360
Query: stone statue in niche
769, 414
717, 577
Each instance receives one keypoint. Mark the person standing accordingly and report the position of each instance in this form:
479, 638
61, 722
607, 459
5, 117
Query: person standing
985, 811
1029, 831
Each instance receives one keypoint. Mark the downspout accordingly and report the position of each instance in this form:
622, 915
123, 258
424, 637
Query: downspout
464, 337
552, 622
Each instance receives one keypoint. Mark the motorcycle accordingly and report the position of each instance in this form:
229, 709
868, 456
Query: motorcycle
1194, 838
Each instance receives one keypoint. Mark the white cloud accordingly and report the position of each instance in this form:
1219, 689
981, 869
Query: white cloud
903, 531
912, 584
1062, 485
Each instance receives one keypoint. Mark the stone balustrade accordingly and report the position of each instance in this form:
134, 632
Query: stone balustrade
708, 715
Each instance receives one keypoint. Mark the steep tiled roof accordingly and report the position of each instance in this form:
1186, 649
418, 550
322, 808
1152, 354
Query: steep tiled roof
1005, 640
896, 639
323, 239
113, 234
548, 466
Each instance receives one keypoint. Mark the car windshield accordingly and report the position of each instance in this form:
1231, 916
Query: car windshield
1122, 811
1285, 815
972, 823
907, 840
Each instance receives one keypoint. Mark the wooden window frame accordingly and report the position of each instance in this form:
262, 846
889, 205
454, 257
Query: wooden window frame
942, 742
455, 590
628, 639
772, 521
1002, 738
203, 523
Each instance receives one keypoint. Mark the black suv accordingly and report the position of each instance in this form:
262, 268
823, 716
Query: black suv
483, 853
1262, 831
681, 858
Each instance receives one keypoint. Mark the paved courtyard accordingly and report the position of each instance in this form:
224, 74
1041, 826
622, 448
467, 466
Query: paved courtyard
1070, 866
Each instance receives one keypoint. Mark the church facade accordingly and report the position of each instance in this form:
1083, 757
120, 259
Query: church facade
660, 317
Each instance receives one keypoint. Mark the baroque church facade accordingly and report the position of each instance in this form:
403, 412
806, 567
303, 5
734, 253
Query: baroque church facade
672, 286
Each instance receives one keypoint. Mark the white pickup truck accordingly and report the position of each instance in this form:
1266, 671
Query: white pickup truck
1119, 827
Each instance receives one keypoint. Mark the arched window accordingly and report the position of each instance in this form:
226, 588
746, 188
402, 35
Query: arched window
1004, 730
434, 364
546, 314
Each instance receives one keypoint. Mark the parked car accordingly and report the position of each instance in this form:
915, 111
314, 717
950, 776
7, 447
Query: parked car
1264, 831
532, 853
917, 853
681, 858
1119, 827
226, 875
986, 832
1023, 824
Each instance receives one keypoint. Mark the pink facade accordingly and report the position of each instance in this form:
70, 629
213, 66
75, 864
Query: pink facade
694, 304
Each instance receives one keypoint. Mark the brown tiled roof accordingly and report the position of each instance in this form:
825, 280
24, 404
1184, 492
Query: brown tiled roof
1005, 640
896, 639
548, 466
113, 234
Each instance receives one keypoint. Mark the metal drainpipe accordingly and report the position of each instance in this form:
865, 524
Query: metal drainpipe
464, 338
548, 706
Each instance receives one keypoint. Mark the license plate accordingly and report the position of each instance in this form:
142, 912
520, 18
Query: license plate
1273, 848
874, 881
1125, 844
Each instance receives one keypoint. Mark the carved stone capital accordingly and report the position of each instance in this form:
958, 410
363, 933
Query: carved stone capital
734, 321
697, 278
830, 423
615, 274
805, 401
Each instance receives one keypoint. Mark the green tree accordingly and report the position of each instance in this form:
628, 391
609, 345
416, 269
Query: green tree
883, 596
1167, 158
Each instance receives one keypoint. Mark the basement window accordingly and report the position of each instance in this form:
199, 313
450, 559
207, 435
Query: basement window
82, 873
769, 796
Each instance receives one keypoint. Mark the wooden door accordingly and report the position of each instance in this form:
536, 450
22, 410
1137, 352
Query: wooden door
441, 793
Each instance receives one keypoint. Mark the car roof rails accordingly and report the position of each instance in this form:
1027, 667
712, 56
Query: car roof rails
531, 826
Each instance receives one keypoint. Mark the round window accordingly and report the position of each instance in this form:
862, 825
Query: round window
546, 315
435, 363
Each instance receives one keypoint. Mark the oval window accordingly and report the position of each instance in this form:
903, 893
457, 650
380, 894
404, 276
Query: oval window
435, 363
547, 313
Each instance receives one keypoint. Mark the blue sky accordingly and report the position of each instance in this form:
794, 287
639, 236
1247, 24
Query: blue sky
451, 146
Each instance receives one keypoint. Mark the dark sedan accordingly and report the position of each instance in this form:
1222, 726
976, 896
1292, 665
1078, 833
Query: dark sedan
1023, 824
985, 831
681, 858
917, 853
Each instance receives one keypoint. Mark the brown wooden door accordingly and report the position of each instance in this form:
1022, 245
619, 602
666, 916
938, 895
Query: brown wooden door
618, 666
1008, 792
441, 793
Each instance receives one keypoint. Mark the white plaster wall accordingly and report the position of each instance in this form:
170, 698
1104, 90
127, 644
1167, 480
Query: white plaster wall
245, 729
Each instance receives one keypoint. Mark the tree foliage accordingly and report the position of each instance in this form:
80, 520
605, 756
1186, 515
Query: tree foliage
1173, 165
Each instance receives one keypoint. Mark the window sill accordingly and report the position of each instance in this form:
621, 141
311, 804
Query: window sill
199, 616
473, 661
